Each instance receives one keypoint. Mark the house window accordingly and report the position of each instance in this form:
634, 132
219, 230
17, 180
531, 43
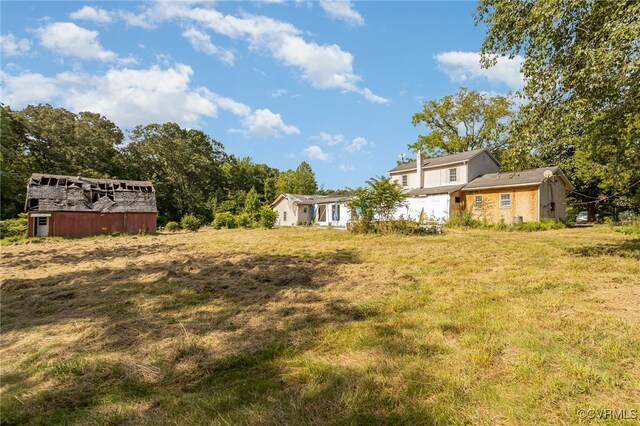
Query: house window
477, 201
405, 180
457, 200
322, 213
304, 209
284, 216
336, 212
505, 201
453, 175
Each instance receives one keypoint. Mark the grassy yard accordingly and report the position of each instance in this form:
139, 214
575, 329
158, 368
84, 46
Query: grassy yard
309, 326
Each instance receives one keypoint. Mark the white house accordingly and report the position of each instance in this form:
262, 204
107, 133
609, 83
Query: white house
323, 210
473, 180
434, 184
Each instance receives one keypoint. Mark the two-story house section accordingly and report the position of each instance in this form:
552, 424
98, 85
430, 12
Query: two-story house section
434, 184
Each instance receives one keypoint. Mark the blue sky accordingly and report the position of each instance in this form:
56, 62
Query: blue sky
333, 83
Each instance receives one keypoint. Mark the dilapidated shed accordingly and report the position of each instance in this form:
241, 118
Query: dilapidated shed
68, 206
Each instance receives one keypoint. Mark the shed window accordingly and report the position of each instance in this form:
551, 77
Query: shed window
505, 201
477, 201
405, 180
304, 209
457, 200
284, 216
453, 175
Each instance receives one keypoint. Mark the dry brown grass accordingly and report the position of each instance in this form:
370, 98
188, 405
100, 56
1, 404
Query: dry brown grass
294, 326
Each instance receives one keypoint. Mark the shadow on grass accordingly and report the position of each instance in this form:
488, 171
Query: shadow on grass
625, 248
200, 336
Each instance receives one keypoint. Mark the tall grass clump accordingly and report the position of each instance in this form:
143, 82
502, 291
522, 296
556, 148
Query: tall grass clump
14, 228
463, 219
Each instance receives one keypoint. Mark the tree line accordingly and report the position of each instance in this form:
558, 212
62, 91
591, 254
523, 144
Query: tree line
191, 172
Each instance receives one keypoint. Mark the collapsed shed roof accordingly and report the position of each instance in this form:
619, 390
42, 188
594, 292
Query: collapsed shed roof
47, 193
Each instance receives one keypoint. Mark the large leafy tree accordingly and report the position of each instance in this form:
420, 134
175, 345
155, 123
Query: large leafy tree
185, 167
302, 180
62, 142
14, 163
380, 199
581, 68
465, 121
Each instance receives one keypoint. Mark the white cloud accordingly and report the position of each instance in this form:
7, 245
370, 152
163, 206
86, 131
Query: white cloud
314, 152
323, 66
68, 39
278, 92
136, 20
12, 46
126, 96
95, 14
464, 66
343, 10
264, 123
357, 144
202, 43
346, 167
328, 139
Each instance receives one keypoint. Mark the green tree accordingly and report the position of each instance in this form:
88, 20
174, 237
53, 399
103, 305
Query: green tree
379, 200
185, 167
462, 122
252, 203
61, 142
14, 163
581, 68
302, 180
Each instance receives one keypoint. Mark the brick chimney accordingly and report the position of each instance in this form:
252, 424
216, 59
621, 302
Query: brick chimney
419, 169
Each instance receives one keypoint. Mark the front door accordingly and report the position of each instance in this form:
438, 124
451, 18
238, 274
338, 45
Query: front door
42, 226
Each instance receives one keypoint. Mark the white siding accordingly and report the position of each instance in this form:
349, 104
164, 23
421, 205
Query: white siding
436, 207
412, 179
280, 208
440, 177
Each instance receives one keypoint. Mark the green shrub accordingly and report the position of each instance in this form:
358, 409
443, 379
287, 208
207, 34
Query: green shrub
244, 220
399, 227
14, 228
172, 226
462, 219
226, 220
268, 217
190, 222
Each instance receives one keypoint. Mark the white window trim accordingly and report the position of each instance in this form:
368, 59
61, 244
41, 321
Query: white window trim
475, 201
455, 172
505, 207
40, 214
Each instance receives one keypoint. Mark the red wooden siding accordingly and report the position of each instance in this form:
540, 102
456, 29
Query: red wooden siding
80, 224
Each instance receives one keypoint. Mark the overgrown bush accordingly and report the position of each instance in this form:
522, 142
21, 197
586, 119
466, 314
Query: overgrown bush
398, 227
244, 220
190, 222
225, 220
14, 228
172, 226
462, 219
268, 217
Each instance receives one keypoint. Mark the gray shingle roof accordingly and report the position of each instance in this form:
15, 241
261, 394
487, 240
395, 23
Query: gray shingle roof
438, 161
313, 199
437, 190
501, 179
